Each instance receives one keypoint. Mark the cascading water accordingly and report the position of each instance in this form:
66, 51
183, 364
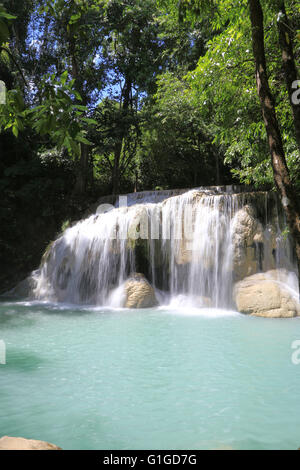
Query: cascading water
194, 245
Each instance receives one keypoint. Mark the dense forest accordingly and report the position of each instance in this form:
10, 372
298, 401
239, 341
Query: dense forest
114, 96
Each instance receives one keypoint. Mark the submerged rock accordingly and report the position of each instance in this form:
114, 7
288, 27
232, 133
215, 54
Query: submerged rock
265, 295
139, 293
19, 443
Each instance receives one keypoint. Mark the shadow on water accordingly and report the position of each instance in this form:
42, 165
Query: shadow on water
11, 318
25, 314
21, 360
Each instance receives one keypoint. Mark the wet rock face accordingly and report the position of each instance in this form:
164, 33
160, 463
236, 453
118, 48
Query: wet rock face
139, 293
265, 295
19, 443
245, 229
252, 246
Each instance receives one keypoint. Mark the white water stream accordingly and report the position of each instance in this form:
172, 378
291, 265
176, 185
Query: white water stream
186, 245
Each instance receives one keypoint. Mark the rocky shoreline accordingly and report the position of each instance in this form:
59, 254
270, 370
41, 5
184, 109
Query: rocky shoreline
19, 443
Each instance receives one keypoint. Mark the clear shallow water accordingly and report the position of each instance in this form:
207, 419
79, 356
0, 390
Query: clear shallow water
154, 379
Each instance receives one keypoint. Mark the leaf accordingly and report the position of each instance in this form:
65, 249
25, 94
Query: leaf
15, 130
64, 77
20, 124
92, 122
67, 143
79, 107
75, 18
77, 95
83, 140
4, 33
75, 147
7, 16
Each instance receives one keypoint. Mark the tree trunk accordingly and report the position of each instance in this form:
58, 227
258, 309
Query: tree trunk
280, 170
288, 62
82, 171
82, 164
136, 177
217, 168
116, 168
119, 143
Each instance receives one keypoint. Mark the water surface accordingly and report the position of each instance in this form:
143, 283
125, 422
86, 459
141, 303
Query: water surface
151, 379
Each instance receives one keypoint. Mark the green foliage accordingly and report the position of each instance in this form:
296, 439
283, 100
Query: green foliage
176, 137
13, 113
5, 20
132, 94
65, 225
285, 233
224, 88
58, 116
114, 125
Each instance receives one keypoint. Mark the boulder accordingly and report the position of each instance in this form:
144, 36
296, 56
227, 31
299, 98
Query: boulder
139, 293
265, 295
19, 443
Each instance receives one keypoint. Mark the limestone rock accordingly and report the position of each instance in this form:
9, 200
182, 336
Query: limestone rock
247, 238
139, 293
19, 443
247, 232
139, 224
264, 295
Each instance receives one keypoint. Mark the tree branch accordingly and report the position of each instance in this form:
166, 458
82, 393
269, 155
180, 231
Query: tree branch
2, 48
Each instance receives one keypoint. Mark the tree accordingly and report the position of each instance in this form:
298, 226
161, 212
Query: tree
132, 51
288, 62
235, 16
112, 126
71, 37
280, 170
175, 137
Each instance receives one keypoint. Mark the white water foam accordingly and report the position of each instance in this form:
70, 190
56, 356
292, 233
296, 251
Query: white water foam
187, 241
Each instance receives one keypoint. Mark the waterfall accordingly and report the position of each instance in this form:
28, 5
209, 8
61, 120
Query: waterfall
194, 244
